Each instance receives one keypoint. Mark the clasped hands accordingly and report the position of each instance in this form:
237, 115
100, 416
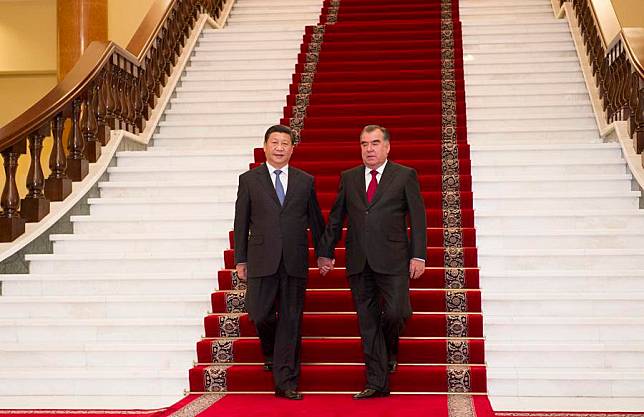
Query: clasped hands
416, 267
325, 265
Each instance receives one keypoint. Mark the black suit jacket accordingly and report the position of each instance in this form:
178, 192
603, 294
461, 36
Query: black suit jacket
377, 231
266, 232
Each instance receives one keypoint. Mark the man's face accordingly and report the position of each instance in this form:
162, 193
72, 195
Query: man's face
278, 149
374, 148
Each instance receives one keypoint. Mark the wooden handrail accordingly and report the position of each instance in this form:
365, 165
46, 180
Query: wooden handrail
606, 21
109, 88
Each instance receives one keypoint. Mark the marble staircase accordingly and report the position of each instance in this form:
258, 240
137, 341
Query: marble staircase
559, 228
110, 319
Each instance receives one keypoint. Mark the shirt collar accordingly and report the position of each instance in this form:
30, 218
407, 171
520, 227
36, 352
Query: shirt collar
380, 169
272, 169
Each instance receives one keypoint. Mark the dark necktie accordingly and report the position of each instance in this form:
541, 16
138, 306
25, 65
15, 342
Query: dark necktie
373, 185
279, 188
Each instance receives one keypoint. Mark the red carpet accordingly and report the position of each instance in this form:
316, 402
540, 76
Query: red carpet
401, 69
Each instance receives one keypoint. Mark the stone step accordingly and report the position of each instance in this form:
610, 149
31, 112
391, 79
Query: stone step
267, 117
205, 59
545, 36
231, 107
224, 160
528, 102
208, 240
537, 111
194, 96
79, 382
177, 174
159, 189
97, 355
551, 169
538, 259
580, 303
163, 142
497, 60
527, 89
125, 263
171, 330
564, 355
560, 280
95, 402
608, 152
565, 382
558, 218
558, 201
543, 9
521, 78
165, 223
564, 45
130, 208
245, 74
502, 124
234, 85
208, 129
541, 184
286, 17
104, 307
227, 35
587, 136
161, 283
273, 11
564, 329
559, 239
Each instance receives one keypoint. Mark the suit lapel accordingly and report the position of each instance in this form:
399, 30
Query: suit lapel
386, 179
267, 183
293, 181
361, 185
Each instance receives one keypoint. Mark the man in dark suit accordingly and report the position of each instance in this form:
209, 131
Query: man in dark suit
275, 205
378, 197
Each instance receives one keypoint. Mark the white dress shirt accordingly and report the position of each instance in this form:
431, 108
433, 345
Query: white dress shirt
367, 174
283, 175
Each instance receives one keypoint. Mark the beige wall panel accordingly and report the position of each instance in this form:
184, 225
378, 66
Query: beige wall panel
28, 35
630, 12
19, 92
124, 18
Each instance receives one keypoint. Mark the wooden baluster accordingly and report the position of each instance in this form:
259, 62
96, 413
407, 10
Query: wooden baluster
156, 72
638, 132
132, 98
141, 100
110, 98
35, 206
58, 185
77, 164
118, 97
151, 81
89, 124
103, 131
12, 224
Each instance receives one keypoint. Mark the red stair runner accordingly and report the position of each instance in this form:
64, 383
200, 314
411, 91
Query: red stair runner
370, 62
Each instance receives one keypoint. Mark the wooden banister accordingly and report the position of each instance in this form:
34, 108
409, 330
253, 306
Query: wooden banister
109, 88
616, 55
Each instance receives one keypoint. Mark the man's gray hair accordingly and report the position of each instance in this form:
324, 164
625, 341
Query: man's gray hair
371, 128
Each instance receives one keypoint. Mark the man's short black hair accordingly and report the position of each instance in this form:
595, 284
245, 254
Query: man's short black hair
280, 129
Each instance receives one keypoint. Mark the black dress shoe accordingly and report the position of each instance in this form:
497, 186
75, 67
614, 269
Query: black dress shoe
370, 393
392, 366
289, 394
268, 365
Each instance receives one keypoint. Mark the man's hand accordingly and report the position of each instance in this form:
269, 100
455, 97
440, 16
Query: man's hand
325, 265
241, 271
416, 268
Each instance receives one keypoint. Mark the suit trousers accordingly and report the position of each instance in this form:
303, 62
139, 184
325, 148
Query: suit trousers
382, 303
275, 304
